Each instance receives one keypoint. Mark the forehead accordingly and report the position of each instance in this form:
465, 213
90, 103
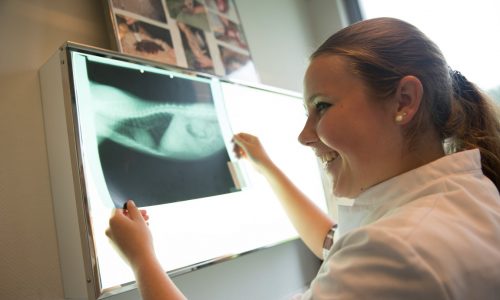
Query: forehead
328, 74
327, 66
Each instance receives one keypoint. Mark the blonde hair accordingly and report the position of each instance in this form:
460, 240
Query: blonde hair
382, 51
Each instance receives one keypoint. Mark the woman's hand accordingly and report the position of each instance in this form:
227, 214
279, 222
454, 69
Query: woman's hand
249, 146
130, 233
128, 229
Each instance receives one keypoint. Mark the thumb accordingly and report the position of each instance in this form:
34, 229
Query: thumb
243, 140
133, 211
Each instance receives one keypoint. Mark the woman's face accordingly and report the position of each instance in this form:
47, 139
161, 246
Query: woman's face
354, 135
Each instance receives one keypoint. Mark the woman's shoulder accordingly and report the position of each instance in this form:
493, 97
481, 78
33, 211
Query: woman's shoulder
456, 215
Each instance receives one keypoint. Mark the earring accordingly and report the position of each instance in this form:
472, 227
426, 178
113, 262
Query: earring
400, 117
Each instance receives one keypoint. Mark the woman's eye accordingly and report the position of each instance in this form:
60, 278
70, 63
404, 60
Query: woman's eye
321, 106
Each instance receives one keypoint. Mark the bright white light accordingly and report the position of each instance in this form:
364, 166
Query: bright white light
466, 31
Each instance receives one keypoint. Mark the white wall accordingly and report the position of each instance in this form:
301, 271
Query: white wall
280, 39
30, 31
325, 17
283, 33
279, 33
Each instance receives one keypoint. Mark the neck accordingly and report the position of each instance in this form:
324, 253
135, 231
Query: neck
413, 156
424, 150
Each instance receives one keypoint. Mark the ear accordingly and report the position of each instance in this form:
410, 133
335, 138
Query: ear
408, 96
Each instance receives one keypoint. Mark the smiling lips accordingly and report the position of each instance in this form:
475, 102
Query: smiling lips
328, 157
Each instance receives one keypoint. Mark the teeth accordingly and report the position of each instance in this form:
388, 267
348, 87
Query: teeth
328, 157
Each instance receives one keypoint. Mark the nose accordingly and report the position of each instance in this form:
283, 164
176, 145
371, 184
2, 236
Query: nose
308, 136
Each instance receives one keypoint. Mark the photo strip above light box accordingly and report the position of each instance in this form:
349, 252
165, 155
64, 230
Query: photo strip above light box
200, 35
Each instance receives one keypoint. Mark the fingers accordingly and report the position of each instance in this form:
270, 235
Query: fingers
243, 137
238, 151
241, 143
116, 217
144, 214
237, 148
133, 211
128, 231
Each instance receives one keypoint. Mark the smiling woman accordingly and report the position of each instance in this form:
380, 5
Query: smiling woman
413, 147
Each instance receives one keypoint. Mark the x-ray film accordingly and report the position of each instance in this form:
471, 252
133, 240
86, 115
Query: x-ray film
158, 135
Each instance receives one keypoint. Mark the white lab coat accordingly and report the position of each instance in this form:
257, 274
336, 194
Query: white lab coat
430, 233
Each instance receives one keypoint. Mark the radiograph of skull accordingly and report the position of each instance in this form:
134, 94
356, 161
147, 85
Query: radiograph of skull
159, 139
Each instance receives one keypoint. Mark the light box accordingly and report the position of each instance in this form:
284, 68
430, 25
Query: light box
120, 128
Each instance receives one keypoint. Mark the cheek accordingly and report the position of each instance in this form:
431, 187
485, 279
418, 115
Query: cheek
335, 132
330, 133
347, 131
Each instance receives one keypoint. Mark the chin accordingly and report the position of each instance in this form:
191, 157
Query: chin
338, 192
340, 195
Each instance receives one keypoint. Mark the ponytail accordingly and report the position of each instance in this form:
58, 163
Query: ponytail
474, 122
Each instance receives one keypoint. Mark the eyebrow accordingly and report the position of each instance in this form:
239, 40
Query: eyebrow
310, 100
312, 97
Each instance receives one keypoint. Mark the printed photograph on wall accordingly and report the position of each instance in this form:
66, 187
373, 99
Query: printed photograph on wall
145, 40
201, 35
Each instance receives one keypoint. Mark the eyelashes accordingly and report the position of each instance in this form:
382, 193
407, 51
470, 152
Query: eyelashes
320, 103
317, 104
320, 107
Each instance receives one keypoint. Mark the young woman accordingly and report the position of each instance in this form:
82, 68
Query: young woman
413, 144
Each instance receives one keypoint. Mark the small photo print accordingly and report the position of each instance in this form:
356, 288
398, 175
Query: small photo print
225, 7
151, 9
228, 31
196, 48
145, 40
190, 12
233, 61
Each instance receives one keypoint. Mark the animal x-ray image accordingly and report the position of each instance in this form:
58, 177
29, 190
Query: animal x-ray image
159, 139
